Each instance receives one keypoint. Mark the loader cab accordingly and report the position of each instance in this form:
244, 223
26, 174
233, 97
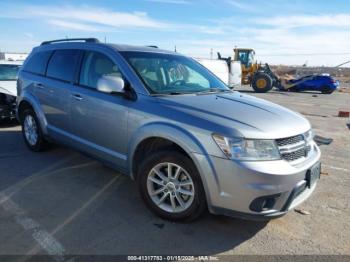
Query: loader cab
245, 56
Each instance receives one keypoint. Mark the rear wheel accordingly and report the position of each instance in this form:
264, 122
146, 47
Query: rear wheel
171, 187
31, 131
262, 83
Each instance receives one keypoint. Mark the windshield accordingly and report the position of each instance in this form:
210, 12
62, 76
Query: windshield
8, 72
173, 74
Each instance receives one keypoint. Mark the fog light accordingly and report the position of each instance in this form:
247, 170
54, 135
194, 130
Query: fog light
264, 203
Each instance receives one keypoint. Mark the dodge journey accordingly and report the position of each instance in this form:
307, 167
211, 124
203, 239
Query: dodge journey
190, 143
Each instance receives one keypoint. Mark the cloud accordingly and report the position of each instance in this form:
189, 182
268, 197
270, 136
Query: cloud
29, 35
240, 5
177, 2
76, 26
95, 19
289, 39
335, 20
99, 16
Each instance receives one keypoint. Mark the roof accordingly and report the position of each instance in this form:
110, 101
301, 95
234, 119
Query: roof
71, 43
124, 48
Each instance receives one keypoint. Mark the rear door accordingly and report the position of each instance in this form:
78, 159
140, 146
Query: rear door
55, 92
99, 120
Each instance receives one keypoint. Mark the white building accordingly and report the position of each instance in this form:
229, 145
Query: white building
13, 56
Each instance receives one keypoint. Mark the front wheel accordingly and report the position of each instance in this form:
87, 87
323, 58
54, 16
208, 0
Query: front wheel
171, 187
326, 90
262, 83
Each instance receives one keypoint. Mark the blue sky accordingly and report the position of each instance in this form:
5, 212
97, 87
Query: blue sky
281, 32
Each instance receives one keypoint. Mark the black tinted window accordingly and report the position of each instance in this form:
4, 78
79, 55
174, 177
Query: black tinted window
37, 62
96, 65
62, 64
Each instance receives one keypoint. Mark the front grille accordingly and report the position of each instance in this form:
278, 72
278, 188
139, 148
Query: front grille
295, 155
293, 148
290, 140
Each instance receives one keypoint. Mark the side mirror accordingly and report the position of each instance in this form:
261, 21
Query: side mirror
111, 84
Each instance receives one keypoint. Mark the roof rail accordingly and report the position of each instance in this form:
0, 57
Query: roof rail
87, 40
153, 46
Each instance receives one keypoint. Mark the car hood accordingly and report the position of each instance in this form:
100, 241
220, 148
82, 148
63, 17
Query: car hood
237, 114
8, 88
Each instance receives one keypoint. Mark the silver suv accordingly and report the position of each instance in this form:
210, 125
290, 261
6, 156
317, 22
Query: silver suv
166, 121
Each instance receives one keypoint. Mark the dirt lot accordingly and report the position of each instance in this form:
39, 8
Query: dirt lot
61, 202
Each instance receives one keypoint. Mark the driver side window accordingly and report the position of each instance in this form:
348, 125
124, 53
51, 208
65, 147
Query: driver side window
181, 73
96, 65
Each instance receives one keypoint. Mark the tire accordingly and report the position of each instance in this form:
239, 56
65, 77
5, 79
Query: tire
31, 131
192, 205
326, 90
262, 83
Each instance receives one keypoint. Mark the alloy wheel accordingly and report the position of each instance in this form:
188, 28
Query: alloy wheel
170, 187
30, 130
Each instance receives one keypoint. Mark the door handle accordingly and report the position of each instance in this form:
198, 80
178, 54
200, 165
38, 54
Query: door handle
38, 85
77, 97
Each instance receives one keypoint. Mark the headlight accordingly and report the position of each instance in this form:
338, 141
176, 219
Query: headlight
309, 136
248, 149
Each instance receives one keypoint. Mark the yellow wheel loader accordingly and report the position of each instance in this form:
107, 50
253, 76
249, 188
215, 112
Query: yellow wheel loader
258, 76
262, 79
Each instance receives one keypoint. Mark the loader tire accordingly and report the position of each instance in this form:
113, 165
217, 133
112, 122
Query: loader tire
262, 83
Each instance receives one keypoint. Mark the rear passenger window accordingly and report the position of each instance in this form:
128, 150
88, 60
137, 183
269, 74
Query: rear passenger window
96, 65
37, 63
62, 65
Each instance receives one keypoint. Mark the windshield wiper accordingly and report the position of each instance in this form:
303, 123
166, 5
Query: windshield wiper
213, 90
172, 94
209, 91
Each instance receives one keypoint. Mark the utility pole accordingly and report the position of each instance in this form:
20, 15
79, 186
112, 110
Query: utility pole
211, 53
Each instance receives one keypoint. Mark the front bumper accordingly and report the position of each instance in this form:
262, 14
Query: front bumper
235, 188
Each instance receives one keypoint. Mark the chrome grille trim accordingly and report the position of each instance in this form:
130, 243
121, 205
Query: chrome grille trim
290, 140
293, 148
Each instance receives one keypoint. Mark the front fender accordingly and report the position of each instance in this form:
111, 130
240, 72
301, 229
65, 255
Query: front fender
183, 138
34, 102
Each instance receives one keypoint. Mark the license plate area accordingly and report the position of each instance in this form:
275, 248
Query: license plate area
313, 174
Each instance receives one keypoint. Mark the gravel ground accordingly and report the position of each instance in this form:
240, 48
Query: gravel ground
63, 203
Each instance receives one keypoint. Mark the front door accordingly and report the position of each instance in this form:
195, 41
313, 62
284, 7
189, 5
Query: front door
99, 120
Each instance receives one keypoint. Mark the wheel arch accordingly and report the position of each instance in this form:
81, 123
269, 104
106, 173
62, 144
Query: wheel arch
30, 102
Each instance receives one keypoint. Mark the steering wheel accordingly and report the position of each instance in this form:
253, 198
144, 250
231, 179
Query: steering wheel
179, 82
